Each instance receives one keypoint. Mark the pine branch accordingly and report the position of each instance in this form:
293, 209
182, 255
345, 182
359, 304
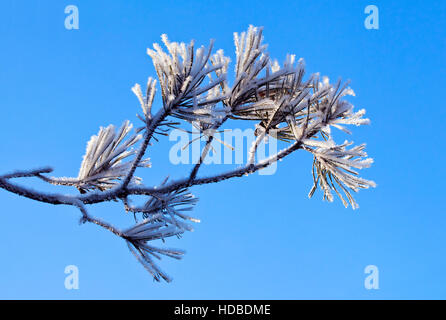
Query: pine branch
195, 89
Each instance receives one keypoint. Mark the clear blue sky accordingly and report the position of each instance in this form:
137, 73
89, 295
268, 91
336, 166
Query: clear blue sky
58, 86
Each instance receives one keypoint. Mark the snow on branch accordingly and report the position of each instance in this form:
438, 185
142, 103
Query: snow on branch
147, 101
335, 165
103, 164
181, 72
153, 228
280, 101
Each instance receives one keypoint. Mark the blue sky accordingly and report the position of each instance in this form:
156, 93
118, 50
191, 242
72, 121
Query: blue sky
260, 236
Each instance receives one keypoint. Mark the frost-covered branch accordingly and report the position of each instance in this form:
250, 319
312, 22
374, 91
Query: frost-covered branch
278, 100
27, 173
